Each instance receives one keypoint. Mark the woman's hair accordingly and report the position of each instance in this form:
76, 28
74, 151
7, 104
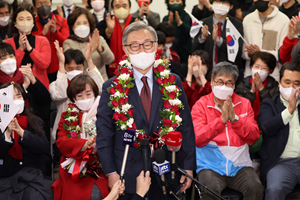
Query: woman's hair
206, 60
167, 2
78, 84
267, 58
12, 27
73, 54
76, 13
6, 49
34, 121
161, 37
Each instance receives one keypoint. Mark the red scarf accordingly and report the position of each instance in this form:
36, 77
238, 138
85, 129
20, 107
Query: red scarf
116, 44
17, 78
257, 101
16, 150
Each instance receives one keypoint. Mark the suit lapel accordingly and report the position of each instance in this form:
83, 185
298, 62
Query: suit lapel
155, 102
62, 7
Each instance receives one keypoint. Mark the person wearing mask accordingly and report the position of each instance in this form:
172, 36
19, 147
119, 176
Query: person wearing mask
182, 23
264, 30
289, 7
99, 11
66, 9
216, 42
14, 4
197, 82
22, 147
145, 14
71, 64
202, 10
30, 49
279, 120
82, 28
53, 27
4, 20
224, 126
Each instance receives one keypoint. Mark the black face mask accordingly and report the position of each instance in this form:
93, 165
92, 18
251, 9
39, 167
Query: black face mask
261, 5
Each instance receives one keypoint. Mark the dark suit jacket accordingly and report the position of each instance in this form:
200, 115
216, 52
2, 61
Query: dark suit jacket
109, 138
153, 19
55, 11
275, 133
208, 45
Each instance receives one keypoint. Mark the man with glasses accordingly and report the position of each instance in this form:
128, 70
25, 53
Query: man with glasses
140, 44
53, 27
224, 126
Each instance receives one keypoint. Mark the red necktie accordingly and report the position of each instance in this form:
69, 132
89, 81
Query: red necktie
146, 98
217, 49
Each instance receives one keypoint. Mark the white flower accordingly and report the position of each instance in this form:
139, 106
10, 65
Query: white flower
170, 129
171, 88
174, 102
117, 110
123, 127
130, 122
157, 62
69, 110
178, 119
117, 94
124, 77
165, 73
71, 118
124, 62
126, 107
75, 110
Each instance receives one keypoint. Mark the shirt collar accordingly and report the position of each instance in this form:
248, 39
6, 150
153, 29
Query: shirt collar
215, 21
66, 8
137, 75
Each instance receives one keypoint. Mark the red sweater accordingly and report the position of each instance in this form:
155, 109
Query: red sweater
286, 50
61, 34
40, 56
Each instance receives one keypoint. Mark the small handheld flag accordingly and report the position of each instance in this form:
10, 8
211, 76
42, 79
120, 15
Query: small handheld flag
196, 25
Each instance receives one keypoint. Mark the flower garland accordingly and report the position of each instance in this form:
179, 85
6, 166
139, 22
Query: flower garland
123, 115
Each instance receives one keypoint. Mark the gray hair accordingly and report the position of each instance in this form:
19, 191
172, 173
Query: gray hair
225, 68
136, 26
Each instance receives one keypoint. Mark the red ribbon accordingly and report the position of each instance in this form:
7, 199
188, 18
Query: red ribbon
76, 170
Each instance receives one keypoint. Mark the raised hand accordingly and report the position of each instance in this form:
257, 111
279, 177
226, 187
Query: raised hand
144, 10
294, 28
293, 101
178, 19
204, 31
225, 108
60, 56
231, 113
22, 41
95, 40
110, 22
143, 182
74, 7
253, 87
14, 126
53, 25
215, 36
171, 17
47, 27
60, 11
27, 71
258, 82
251, 49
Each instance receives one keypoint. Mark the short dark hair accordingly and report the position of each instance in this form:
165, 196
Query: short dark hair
33, 2
161, 37
206, 59
6, 49
168, 29
266, 57
167, 2
75, 14
74, 54
12, 27
78, 84
231, 2
288, 66
4, 4
112, 3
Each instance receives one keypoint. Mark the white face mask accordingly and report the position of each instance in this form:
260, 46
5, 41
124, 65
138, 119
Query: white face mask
287, 92
9, 1
21, 104
97, 5
25, 26
220, 9
283, 1
263, 74
168, 45
82, 31
222, 92
86, 104
8, 66
142, 60
4, 20
68, 2
73, 73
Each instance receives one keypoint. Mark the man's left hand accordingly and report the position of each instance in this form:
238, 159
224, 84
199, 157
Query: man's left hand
144, 10
231, 113
188, 182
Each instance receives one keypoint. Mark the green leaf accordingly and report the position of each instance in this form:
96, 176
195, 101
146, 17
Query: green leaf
108, 89
78, 136
69, 136
65, 126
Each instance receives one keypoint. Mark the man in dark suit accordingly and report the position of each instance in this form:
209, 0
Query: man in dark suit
215, 43
279, 120
66, 9
109, 136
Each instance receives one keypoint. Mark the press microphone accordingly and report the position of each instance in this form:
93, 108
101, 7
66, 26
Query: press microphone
145, 16
161, 166
173, 142
128, 140
145, 147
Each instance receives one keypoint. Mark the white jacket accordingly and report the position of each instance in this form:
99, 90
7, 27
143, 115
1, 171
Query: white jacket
58, 93
277, 22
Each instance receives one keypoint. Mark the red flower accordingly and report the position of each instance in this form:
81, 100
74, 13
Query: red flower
160, 68
126, 91
167, 104
114, 103
167, 122
178, 113
124, 70
122, 117
172, 78
174, 125
73, 114
159, 81
119, 87
165, 81
116, 116
75, 123
163, 138
136, 145
172, 95
140, 137
154, 69
130, 112
112, 90
134, 126
124, 57
126, 99
121, 101
159, 130
67, 123
162, 90
116, 80
130, 73
116, 72
175, 108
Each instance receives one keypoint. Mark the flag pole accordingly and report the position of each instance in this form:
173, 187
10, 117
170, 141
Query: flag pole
194, 19
240, 35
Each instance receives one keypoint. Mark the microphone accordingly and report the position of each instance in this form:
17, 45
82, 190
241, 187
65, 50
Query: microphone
145, 16
145, 147
128, 140
173, 142
161, 166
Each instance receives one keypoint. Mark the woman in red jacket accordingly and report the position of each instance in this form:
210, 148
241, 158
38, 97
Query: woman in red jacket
29, 48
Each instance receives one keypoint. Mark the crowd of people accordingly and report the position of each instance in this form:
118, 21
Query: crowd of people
85, 77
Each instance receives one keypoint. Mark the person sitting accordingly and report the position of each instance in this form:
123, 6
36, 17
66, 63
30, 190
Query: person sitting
152, 18
4, 20
71, 64
279, 119
76, 142
290, 8
260, 85
202, 10
197, 81
224, 126
82, 27
22, 147
29, 48
66, 9
53, 27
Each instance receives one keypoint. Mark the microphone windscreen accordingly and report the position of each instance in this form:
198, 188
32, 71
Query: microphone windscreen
174, 141
128, 137
144, 143
160, 156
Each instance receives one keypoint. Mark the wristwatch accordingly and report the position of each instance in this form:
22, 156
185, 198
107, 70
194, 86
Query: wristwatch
235, 118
